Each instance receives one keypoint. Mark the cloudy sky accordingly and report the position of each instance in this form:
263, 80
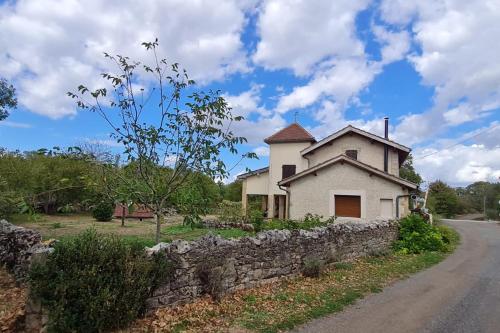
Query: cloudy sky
432, 66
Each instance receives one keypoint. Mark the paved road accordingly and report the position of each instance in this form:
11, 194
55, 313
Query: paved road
461, 294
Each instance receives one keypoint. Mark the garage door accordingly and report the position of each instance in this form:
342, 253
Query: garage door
348, 205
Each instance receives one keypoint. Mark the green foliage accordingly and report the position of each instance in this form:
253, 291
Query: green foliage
8, 98
47, 179
230, 211
103, 211
313, 268
310, 221
95, 283
407, 171
232, 191
256, 218
417, 236
443, 199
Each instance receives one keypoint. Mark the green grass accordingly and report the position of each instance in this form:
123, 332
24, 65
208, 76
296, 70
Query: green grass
134, 231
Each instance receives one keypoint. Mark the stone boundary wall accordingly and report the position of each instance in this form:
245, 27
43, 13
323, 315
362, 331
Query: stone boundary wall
216, 224
215, 265
18, 245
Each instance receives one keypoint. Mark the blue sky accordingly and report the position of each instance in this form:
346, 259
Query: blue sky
430, 66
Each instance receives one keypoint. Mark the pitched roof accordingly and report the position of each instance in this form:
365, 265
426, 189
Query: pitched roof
291, 133
403, 149
353, 162
252, 173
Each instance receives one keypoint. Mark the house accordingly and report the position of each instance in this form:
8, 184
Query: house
350, 173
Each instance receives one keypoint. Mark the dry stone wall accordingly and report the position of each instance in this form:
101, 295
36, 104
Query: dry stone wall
215, 265
17, 247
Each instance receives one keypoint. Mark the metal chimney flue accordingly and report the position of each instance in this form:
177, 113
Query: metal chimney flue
386, 148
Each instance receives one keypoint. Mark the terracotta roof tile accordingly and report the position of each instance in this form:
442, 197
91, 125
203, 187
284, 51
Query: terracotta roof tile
292, 133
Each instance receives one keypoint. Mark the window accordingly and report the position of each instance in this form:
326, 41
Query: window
352, 154
287, 171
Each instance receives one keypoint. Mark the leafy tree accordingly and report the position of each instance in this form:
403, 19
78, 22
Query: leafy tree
407, 171
232, 191
45, 179
443, 199
8, 98
169, 130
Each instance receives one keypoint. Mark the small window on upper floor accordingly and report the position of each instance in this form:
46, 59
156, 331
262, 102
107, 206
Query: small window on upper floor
352, 153
287, 171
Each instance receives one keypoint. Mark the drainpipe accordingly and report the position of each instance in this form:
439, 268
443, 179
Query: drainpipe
287, 202
397, 203
386, 148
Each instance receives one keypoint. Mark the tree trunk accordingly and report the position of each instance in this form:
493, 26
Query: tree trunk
123, 215
159, 219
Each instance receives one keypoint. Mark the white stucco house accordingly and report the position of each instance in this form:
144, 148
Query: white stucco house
350, 173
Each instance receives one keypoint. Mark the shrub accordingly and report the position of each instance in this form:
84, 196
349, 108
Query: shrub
95, 282
230, 211
103, 211
257, 220
313, 268
416, 236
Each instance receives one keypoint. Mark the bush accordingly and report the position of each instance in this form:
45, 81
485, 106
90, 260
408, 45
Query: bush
310, 221
416, 236
94, 282
103, 211
313, 268
230, 211
257, 220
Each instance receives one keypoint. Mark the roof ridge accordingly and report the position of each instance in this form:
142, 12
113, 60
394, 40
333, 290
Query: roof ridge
291, 133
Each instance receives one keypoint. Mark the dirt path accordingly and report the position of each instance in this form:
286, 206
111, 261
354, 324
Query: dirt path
461, 294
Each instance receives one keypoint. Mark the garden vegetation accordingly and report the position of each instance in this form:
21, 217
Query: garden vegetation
95, 282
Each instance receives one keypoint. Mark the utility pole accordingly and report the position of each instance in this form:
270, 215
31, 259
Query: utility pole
484, 207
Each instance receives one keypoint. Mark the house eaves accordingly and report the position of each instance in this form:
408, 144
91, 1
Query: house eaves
344, 159
252, 173
351, 129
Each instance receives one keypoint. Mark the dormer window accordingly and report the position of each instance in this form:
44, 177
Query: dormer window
288, 170
352, 153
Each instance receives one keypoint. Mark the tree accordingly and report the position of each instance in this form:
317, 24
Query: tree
168, 129
8, 98
443, 199
232, 191
407, 171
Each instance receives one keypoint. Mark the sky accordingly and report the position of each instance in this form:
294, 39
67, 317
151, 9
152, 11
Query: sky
431, 66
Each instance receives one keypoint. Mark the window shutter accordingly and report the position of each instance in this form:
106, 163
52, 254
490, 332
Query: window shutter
287, 171
352, 154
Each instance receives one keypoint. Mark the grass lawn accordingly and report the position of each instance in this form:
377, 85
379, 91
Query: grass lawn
283, 305
61, 226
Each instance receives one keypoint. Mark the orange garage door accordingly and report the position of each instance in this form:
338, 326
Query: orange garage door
348, 205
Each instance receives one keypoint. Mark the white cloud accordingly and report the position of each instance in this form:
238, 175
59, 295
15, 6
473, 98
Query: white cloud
15, 124
50, 47
395, 45
299, 34
261, 151
457, 56
342, 81
460, 165
247, 102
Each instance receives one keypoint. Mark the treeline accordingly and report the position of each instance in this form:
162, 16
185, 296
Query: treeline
479, 197
70, 180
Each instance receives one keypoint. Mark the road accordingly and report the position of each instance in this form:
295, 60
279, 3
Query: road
460, 294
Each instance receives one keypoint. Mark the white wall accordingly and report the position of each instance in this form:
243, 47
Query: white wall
368, 153
257, 184
284, 153
313, 194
